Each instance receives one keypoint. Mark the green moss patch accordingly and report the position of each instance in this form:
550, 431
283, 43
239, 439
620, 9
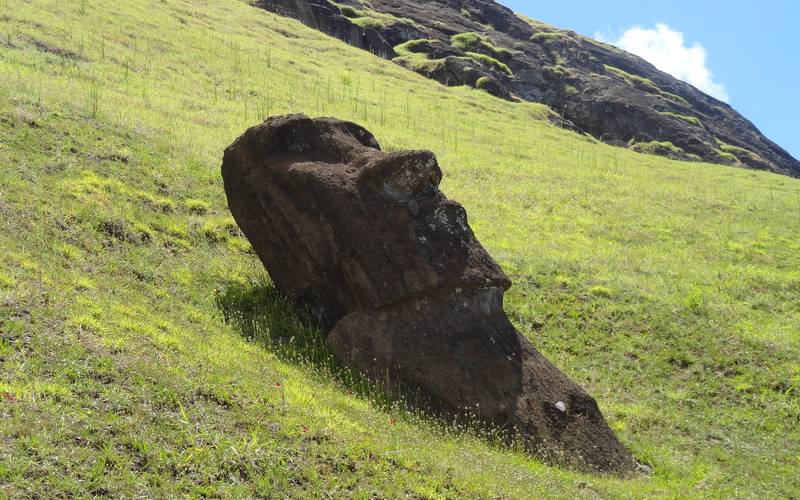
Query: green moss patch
633, 79
548, 36
648, 85
412, 47
412, 55
368, 18
693, 120
473, 42
738, 153
675, 98
656, 147
490, 61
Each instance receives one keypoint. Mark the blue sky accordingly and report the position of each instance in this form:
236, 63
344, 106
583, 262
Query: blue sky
751, 47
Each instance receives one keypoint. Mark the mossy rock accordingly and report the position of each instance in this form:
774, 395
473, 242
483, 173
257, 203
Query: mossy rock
661, 148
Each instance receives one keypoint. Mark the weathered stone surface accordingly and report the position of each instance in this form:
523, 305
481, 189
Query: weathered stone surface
326, 17
402, 288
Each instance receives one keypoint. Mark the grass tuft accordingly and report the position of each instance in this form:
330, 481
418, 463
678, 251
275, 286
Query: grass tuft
692, 120
491, 62
633, 79
474, 42
656, 147
738, 153
548, 36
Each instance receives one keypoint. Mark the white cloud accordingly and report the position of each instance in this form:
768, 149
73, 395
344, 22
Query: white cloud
666, 49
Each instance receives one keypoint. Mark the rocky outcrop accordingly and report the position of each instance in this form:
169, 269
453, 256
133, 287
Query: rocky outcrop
390, 268
599, 89
328, 18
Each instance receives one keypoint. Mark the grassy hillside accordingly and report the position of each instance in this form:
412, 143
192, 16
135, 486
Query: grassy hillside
671, 291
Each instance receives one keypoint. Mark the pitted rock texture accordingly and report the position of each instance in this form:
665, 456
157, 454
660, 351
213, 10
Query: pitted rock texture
598, 89
402, 288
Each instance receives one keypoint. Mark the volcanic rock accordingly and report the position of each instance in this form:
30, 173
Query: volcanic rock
597, 89
405, 293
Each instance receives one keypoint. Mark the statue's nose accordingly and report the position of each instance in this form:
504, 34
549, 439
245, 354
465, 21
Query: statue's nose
403, 176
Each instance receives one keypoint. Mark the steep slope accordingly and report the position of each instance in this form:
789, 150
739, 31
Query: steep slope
598, 89
144, 353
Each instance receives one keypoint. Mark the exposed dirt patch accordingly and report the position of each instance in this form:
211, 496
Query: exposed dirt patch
49, 48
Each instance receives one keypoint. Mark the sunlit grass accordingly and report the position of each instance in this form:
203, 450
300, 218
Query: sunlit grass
670, 290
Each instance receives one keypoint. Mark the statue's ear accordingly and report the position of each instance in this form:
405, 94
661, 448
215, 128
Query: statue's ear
402, 176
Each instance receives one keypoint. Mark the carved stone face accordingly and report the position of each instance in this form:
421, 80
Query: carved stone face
404, 291
347, 225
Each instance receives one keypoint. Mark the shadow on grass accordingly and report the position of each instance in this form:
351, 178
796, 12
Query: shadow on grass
263, 316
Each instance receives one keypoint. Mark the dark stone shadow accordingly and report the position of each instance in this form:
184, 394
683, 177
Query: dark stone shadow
260, 314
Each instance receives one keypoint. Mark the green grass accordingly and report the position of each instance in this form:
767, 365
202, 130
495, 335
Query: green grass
675, 98
655, 147
549, 36
737, 152
368, 18
412, 47
411, 55
729, 157
143, 353
562, 70
633, 79
483, 82
490, 61
349, 11
650, 86
474, 42
419, 63
693, 120
466, 41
